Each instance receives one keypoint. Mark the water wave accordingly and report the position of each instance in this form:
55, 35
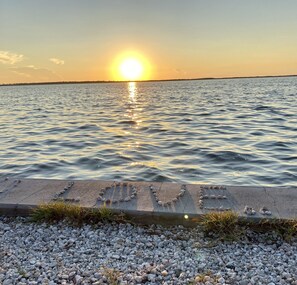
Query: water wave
234, 132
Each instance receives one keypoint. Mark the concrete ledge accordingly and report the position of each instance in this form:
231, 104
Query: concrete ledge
150, 202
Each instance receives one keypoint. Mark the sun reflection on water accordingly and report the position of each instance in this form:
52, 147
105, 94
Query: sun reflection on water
131, 144
132, 88
133, 106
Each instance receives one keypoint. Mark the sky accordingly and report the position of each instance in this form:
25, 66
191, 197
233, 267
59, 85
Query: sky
70, 40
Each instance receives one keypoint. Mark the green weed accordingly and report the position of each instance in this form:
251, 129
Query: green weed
221, 224
74, 214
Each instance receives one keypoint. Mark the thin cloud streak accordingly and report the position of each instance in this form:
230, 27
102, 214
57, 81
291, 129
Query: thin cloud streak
57, 61
35, 73
7, 57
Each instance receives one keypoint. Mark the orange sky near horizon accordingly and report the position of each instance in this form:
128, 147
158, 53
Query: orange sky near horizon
74, 41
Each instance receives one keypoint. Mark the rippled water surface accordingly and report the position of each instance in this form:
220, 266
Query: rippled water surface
234, 132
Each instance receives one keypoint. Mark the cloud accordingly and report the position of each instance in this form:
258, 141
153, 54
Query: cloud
7, 57
35, 74
180, 71
57, 61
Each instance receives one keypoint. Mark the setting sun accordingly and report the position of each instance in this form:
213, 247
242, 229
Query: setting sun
131, 69
131, 66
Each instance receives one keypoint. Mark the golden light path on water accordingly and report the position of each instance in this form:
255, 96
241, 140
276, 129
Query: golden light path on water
132, 88
134, 111
217, 131
132, 116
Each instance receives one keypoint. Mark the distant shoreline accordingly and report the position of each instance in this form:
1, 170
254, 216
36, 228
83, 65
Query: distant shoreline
153, 80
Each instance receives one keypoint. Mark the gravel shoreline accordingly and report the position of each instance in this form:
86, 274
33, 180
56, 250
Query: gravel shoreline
60, 254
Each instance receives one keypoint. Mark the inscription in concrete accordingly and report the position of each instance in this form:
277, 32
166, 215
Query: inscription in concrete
151, 199
7, 184
63, 194
118, 192
214, 198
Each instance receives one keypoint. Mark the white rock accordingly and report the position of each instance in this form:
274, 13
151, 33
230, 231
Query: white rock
59, 254
164, 273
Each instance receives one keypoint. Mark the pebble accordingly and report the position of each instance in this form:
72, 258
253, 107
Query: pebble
78, 279
33, 254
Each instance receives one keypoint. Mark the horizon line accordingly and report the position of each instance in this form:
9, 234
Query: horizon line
150, 80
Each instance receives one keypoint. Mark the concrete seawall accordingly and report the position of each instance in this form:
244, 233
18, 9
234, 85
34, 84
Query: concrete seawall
150, 201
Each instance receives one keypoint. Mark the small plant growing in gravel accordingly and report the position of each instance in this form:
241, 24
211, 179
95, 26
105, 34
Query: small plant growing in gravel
204, 277
74, 214
221, 224
57, 211
22, 272
106, 213
112, 275
287, 229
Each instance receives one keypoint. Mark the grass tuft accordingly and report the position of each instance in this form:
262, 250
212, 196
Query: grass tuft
74, 214
105, 213
112, 275
287, 229
221, 224
227, 226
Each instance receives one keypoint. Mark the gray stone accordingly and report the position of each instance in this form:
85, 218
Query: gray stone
78, 279
176, 255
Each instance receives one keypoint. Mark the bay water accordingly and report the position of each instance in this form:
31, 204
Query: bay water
227, 131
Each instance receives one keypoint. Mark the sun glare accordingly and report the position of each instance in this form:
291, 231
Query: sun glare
131, 69
131, 66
